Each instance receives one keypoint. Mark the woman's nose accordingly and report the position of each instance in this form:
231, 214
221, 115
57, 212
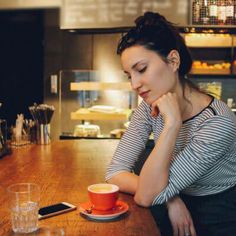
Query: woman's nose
135, 84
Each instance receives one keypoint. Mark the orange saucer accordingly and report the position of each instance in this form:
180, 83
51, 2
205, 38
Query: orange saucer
120, 208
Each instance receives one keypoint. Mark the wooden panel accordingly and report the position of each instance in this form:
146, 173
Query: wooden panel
85, 114
24, 4
100, 86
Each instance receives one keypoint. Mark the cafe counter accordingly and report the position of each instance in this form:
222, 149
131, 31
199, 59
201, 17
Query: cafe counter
63, 170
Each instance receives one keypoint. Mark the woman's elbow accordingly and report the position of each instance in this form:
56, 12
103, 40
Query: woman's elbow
142, 200
109, 181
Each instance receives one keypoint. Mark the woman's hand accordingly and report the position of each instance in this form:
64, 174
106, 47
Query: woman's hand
180, 218
168, 106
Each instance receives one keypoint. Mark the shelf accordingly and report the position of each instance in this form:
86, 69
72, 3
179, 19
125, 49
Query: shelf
85, 114
212, 29
202, 71
208, 29
209, 40
90, 86
211, 76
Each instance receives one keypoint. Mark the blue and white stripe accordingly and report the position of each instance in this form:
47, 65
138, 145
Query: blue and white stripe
204, 158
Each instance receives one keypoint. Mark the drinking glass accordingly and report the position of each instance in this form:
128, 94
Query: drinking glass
24, 206
3, 132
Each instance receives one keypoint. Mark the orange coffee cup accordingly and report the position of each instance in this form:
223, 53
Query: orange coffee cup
103, 196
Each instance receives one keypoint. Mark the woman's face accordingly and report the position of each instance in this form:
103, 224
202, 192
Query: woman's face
150, 76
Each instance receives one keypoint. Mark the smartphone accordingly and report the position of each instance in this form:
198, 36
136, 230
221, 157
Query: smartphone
55, 209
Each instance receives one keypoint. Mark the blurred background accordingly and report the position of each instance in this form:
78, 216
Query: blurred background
48, 45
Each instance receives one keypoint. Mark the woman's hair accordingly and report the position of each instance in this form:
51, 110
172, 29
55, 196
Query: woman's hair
155, 33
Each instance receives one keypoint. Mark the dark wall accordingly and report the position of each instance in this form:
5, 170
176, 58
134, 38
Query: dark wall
21, 62
62, 51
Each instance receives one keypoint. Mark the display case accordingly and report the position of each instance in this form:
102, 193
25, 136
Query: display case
213, 54
214, 64
91, 107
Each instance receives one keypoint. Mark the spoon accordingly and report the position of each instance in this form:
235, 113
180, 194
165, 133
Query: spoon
89, 210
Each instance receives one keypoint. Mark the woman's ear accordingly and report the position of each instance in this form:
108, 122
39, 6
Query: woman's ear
174, 59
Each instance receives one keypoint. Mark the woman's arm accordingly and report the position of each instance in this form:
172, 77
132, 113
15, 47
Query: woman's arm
126, 181
154, 175
179, 215
210, 140
129, 150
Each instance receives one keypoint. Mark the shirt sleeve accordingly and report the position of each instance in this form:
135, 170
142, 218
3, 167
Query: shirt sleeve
208, 145
132, 143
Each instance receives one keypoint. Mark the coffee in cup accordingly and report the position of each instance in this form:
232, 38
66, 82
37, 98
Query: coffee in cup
103, 196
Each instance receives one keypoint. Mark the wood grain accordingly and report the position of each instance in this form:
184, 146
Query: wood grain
63, 170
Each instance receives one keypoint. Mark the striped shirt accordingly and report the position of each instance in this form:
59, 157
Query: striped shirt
204, 157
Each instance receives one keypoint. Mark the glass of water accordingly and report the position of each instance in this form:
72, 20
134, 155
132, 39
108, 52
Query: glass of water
24, 206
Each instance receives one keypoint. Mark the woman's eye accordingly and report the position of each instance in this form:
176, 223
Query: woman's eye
142, 70
128, 77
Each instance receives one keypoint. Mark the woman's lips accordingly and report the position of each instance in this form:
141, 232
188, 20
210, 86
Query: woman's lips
144, 94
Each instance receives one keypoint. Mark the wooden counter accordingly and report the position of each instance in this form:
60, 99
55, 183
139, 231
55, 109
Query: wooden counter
63, 170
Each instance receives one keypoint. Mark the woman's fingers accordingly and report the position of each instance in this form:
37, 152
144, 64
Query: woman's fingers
181, 231
155, 110
187, 231
175, 230
192, 230
167, 105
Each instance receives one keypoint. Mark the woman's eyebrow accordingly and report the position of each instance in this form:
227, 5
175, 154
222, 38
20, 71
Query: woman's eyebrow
134, 65
141, 61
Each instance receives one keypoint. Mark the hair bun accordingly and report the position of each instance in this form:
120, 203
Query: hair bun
150, 19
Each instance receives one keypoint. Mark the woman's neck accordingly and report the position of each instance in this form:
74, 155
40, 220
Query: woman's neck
186, 106
193, 102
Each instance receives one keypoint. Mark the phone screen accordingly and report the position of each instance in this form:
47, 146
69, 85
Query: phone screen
53, 208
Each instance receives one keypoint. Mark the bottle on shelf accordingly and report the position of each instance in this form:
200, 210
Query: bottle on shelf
196, 12
229, 12
213, 12
234, 11
230, 102
221, 12
204, 13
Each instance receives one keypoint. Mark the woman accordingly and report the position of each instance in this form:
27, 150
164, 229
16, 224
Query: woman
189, 177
